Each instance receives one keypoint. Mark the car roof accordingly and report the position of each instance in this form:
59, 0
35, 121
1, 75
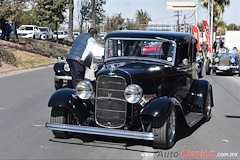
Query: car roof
150, 34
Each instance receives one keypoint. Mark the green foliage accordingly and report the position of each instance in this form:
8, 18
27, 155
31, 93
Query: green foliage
99, 12
142, 18
50, 12
114, 23
7, 57
131, 25
233, 27
54, 49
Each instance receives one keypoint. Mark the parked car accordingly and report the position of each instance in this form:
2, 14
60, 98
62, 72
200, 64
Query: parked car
75, 34
61, 35
62, 78
100, 38
152, 48
136, 96
46, 33
225, 61
29, 31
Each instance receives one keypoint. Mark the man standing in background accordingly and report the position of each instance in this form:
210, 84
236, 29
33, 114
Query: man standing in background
3, 27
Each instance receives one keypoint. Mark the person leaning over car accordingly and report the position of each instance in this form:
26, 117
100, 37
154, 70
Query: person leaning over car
80, 55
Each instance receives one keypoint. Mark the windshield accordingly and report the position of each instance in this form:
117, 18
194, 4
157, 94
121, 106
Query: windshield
43, 29
26, 28
146, 48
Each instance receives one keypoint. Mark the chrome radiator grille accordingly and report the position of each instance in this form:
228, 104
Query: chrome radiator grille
224, 61
111, 106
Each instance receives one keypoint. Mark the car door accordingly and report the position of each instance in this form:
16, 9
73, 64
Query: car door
184, 69
37, 32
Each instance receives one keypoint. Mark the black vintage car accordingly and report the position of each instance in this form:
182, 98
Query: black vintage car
137, 94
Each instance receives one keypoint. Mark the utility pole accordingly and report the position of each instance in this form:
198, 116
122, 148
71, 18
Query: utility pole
210, 19
178, 24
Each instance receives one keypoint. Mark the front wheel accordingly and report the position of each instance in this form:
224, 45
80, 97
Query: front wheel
62, 116
164, 136
207, 67
58, 84
239, 68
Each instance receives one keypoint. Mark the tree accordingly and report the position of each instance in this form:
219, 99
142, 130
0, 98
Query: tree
97, 12
93, 15
13, 10
218, 6
218, 9
131, 25
84, 13
50, 11
70, 21
114, 23
220, 25
142, 18
232, 27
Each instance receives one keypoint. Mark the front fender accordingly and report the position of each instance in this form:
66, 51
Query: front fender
160, 107
59, 68
62, 98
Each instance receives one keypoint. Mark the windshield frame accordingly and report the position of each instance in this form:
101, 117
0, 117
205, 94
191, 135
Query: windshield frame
158, 39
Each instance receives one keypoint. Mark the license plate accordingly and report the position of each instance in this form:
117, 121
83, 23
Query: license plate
224, 68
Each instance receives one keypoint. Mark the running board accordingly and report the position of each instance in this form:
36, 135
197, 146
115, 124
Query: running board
193, 118
100, 131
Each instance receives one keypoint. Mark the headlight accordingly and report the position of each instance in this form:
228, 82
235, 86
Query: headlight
66, 67
232, 60
216, 60
95, 67
133, 93
84, 89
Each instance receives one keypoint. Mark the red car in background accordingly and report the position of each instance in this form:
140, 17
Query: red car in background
153, 48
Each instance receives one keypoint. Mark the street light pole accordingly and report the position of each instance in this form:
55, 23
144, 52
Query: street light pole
210, 19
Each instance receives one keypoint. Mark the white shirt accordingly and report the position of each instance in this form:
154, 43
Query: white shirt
91, 41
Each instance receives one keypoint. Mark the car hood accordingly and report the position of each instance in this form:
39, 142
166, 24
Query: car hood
146, 74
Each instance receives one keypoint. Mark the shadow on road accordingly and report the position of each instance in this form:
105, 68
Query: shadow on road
228, 116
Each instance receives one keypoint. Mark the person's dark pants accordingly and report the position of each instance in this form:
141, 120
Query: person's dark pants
77, 71
8, 35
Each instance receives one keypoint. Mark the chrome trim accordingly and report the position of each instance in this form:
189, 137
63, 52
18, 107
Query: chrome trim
111, 98
101, 131
118, 99
216, 66
64, 77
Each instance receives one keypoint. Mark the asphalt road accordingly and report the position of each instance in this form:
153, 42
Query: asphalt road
23, 112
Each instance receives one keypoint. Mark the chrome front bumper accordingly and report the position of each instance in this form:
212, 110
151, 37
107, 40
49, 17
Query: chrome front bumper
100, 131
223, 67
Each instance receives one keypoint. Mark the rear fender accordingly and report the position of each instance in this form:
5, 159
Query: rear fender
62, 98
198, 94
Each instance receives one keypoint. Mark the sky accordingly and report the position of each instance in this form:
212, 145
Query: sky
159, 14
